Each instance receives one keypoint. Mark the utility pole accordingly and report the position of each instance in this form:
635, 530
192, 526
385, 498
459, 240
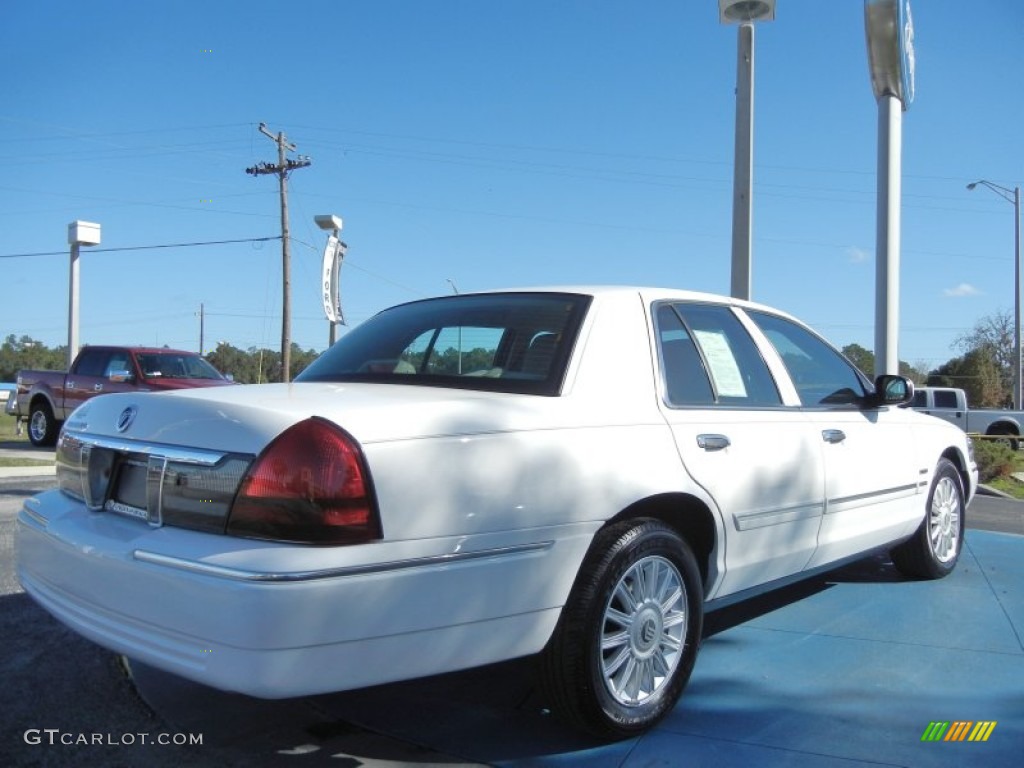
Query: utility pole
282, 168
202, 326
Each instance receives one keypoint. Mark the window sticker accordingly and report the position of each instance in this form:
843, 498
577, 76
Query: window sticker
724, 369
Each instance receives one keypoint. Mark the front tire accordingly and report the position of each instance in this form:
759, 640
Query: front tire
627, 639
42, 426
934, 550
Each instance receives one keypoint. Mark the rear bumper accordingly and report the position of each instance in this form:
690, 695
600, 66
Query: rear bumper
274, 620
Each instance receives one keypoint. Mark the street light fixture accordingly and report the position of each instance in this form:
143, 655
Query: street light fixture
744, 13
1012, 196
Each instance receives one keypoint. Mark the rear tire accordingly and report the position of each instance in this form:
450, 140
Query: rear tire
628, 636
934, 549
42, 426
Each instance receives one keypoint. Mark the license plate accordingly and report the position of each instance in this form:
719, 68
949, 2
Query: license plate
129, 494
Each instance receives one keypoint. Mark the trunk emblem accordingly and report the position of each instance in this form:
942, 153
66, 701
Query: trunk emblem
126, 418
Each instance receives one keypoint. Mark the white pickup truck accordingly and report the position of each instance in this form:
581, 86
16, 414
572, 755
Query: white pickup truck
951, 404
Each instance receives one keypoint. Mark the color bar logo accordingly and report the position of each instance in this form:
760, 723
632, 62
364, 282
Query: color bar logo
959, 730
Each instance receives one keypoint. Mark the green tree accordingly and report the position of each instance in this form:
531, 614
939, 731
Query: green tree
300, 359
862, 358
865, 360
20, 353
232, 361
995, 332
978, 373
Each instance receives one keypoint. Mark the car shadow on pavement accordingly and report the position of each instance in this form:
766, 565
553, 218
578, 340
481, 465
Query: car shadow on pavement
493, 714
497, 714
877, 569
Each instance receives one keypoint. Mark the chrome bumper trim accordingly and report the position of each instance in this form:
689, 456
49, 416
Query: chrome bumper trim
239, 574
170, 452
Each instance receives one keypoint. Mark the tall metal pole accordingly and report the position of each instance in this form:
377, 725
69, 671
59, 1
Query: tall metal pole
79, 233
743, 167
887, 243
1016, 301
73, 305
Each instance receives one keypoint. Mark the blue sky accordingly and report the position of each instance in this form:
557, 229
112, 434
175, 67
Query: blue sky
494, 143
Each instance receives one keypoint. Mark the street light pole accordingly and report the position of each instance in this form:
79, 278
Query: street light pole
745, 13
743, 165
79, 233
1012, 196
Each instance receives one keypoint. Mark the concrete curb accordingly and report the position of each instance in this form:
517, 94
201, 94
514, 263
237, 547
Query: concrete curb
11, 472
988, 490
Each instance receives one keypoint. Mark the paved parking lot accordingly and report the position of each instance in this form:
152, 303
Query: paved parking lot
843, 670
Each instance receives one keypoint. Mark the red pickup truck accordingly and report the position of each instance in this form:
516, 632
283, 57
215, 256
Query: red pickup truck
46, 398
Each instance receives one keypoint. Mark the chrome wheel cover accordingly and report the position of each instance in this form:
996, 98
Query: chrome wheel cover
643, 630
944, 518
37, 426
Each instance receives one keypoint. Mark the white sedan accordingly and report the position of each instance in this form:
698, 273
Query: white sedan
578, 473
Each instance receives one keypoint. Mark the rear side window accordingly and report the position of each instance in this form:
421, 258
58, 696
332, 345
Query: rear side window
944, 399
92, 362
503, 342
709, 358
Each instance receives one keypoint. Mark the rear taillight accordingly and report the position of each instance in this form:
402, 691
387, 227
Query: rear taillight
309, 485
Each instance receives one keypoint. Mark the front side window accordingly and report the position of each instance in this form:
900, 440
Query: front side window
503, 342
117, 364
821, 375
709, 358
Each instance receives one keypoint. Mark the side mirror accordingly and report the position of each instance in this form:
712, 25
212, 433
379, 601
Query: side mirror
892, 390
119, 376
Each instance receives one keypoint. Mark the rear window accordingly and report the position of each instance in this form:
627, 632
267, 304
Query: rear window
501, 342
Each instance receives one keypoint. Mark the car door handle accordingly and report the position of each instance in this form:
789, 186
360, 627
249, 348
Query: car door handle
833, 435
713, 442
97, 387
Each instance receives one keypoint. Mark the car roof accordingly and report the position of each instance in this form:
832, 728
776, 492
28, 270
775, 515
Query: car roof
648, 293
141, 350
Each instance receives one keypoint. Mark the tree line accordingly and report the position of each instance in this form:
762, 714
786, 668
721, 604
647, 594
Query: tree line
984, 367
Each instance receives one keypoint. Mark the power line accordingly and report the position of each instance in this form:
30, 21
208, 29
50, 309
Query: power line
144, 247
